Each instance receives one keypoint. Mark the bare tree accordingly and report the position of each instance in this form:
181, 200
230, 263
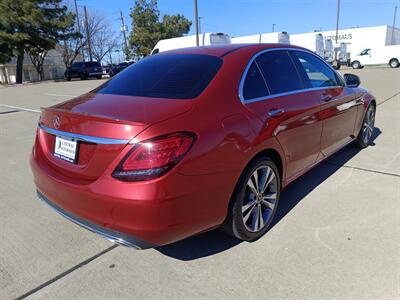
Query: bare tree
102, 38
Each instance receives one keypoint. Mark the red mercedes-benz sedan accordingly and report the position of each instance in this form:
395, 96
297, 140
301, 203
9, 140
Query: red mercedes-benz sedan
194, 139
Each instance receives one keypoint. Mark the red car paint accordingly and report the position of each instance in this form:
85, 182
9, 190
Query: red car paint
194, 195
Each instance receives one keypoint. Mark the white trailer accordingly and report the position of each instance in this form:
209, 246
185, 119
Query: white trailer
205, 39
312, 41
377, 56
329, 51
273, 37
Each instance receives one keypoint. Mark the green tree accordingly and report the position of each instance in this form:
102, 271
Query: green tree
33, 26
147, 29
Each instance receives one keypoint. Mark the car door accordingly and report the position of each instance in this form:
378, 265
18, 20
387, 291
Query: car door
338, 103
273, 90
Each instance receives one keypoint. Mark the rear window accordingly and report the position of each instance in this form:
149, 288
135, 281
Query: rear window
176, 76
92, 64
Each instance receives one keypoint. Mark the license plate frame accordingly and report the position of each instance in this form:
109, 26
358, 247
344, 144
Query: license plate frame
66, 149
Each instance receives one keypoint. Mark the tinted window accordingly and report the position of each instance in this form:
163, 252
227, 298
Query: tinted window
180, 76
279, 72
254, 85
92, 64
317, 72
77, 64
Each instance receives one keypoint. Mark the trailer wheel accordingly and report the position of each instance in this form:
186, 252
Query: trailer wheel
394, 63
356, 64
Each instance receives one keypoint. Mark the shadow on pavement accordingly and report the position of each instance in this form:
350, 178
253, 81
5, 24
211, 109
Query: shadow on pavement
216, 241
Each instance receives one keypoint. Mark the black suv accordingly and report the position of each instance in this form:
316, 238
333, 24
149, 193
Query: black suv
84, 70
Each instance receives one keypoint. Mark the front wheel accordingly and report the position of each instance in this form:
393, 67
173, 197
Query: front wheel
365, 135
394, 63
254, 201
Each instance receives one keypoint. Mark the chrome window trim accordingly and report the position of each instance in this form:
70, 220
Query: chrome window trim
84, 138
243, 78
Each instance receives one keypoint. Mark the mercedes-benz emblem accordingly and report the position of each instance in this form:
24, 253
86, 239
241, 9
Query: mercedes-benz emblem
56, 122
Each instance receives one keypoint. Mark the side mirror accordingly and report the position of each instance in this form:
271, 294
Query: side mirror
352, 80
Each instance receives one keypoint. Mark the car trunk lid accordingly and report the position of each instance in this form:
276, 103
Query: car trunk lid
102, 125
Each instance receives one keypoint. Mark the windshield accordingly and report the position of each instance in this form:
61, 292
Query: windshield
175, 76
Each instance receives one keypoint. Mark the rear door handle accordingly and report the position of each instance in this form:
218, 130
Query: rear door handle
326, 97
276, 112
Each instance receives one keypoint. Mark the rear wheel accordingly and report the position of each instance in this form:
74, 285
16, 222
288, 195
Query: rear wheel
254, 201
365, 135
356, 64
394, 63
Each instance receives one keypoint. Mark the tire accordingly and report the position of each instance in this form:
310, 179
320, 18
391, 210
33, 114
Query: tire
68, 78
245, 205
367, 128
394, 63
356, 64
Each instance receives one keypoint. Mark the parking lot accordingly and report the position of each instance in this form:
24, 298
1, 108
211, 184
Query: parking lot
336, 233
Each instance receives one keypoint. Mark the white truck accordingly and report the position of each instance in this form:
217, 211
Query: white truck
311, 41
205, 39
377, 56
273, 37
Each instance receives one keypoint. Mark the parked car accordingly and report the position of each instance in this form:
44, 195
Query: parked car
115, 69
205, 39
167, 149
378, 56
84, 70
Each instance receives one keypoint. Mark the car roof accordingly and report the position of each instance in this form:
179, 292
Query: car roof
223, 50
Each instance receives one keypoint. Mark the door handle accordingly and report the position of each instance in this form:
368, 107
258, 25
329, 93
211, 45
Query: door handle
276, 112
326, 97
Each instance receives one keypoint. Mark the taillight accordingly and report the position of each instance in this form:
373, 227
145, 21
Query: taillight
153, 158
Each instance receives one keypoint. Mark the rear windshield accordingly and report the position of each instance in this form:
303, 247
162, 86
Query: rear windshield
92, 64
175, 76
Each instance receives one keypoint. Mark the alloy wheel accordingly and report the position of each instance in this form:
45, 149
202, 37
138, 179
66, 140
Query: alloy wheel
260, 199
368, 126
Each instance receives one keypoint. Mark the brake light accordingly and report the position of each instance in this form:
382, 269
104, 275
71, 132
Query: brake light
153, 158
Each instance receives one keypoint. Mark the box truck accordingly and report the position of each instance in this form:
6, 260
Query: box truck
273, 37
377, 56
311, 41
205, 39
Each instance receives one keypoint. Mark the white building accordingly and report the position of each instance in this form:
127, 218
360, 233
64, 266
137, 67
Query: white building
53, 68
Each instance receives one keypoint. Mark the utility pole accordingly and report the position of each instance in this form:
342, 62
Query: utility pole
273, 27
88, 34
79, 30
124, 29
394, 24
335, 62
200, 23
196, 18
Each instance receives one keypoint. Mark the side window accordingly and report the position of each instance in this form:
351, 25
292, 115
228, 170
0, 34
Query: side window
279, 72
254, 85
317, 73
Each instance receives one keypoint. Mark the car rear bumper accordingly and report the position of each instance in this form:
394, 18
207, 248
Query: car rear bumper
111, 235
137, 214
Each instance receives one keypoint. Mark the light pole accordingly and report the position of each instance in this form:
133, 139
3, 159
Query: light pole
79, 30
273, 27
335, 62
196, 18
124, 29
200, 23
88, 34
394, 24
